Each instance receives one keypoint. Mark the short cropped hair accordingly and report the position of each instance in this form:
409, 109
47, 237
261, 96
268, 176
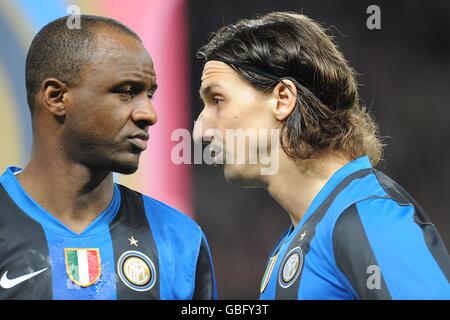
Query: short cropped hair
61, 52
283, 45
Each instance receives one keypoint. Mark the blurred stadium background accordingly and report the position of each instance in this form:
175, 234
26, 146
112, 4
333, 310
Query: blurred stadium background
404, 74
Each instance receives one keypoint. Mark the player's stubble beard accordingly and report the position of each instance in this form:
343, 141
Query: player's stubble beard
241, 175
102, 155
112, 162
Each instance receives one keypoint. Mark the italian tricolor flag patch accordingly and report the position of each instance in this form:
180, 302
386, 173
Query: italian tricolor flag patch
83, 265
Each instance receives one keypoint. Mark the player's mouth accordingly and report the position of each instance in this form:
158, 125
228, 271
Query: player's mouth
216, 155
140, 140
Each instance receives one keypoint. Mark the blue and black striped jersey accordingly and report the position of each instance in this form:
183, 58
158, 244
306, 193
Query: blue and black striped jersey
363, 237
138, 248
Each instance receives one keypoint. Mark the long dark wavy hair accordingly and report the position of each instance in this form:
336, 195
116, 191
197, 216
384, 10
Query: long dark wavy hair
328, 114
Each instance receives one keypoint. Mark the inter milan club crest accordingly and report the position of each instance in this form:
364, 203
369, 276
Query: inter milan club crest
136, 271
290, 267
83, 265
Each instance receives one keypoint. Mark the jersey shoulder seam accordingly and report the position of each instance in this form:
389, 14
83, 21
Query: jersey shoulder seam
180, 216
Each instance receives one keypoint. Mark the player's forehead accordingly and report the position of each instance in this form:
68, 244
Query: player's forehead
112, 43
217, 70
219, 74
122, 57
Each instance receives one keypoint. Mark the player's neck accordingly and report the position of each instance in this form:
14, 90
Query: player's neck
297, 183
71, 192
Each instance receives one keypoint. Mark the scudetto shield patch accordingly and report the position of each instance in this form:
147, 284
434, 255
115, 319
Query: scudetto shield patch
83, 265
268, 273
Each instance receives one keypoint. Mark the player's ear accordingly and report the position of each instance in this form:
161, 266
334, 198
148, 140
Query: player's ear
286, 95
54, 96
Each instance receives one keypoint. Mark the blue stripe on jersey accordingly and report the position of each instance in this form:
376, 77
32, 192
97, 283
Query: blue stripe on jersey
319, 279
396, 242
178, 240
409, 269
332, 183
353, 166
48, 221
321, 257
96, 235
63, 287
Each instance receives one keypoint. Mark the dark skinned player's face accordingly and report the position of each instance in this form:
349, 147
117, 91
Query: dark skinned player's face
110, 110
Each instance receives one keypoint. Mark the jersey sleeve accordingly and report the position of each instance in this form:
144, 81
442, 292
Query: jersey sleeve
386, 250
205, 284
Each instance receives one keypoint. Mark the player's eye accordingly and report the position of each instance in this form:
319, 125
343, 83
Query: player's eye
126, 94
218, 101
150, 94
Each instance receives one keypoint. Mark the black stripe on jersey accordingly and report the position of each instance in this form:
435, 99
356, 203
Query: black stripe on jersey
291, 292
204, 278
431, 235
354, 256
23, 250
131, 221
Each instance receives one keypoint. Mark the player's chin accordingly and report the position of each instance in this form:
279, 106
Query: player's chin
242, 176
126, 165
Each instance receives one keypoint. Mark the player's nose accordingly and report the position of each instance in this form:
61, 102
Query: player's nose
144, 114
201, 133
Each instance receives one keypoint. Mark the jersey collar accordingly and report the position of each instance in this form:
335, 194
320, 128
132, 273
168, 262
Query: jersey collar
31, 208
358, 164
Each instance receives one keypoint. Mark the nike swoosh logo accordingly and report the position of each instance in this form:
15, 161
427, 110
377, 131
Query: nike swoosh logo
6, 283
